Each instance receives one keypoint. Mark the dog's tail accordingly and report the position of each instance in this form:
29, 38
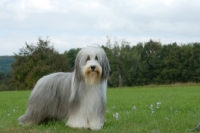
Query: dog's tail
23, 120
28, 119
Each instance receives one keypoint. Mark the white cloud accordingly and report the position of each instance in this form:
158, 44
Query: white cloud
44, 5
76, 23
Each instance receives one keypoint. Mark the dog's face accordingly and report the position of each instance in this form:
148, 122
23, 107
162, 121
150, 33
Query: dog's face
92, 70
92, 65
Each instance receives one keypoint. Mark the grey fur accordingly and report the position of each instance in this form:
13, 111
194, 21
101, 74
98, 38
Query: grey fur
57, 96
197, 128
48, 99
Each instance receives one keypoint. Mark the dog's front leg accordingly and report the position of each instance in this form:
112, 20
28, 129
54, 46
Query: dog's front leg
77, 120
96, 122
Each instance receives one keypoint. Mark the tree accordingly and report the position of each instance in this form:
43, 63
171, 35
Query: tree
71, 56
2, 75
194, 62
123, 60
33, 62
134, 71
150, 61
172, 65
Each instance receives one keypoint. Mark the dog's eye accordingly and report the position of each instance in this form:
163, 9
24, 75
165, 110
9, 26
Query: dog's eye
88, 58
96, 58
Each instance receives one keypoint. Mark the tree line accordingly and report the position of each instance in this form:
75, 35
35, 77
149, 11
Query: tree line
153, 63
142, 64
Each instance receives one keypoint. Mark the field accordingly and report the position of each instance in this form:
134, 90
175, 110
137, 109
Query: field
178, 110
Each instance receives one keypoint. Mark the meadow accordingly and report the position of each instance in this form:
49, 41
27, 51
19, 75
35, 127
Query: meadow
147, 109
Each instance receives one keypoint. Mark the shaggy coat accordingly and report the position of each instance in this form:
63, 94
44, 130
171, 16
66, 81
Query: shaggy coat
79, 97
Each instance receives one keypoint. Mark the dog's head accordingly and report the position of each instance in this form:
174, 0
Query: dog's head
92, 65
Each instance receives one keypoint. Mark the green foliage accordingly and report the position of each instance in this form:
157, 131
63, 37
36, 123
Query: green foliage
178, 112
123, 61
33, 62
142, 64
71, 56
152, 63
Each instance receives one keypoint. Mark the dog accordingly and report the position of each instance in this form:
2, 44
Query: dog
78, 97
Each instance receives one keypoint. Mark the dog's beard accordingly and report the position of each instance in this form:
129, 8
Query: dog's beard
92, 76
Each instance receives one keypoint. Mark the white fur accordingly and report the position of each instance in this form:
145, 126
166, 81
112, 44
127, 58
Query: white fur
87, 115
79, 97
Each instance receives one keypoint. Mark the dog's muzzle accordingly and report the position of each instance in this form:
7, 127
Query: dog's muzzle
92, 68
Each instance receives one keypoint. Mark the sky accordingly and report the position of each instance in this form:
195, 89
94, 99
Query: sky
81, 23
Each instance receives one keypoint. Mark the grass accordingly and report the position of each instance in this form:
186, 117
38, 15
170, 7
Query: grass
179, 111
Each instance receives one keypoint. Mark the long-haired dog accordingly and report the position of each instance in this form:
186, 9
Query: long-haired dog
79, 97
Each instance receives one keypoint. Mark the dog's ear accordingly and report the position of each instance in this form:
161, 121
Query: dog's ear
77, 69
105, 67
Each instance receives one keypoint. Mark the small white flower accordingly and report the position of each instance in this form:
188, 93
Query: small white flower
151, 106
116, 115
158, 105
8, 114
14, 110
166, 118
134, 108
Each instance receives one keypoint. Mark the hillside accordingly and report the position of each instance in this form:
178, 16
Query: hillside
5, 63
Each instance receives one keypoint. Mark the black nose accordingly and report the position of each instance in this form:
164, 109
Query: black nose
92, 67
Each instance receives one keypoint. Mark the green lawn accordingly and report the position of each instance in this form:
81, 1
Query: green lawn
179, 111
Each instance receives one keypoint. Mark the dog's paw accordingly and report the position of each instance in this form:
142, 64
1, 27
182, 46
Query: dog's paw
95, 124
77, 124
